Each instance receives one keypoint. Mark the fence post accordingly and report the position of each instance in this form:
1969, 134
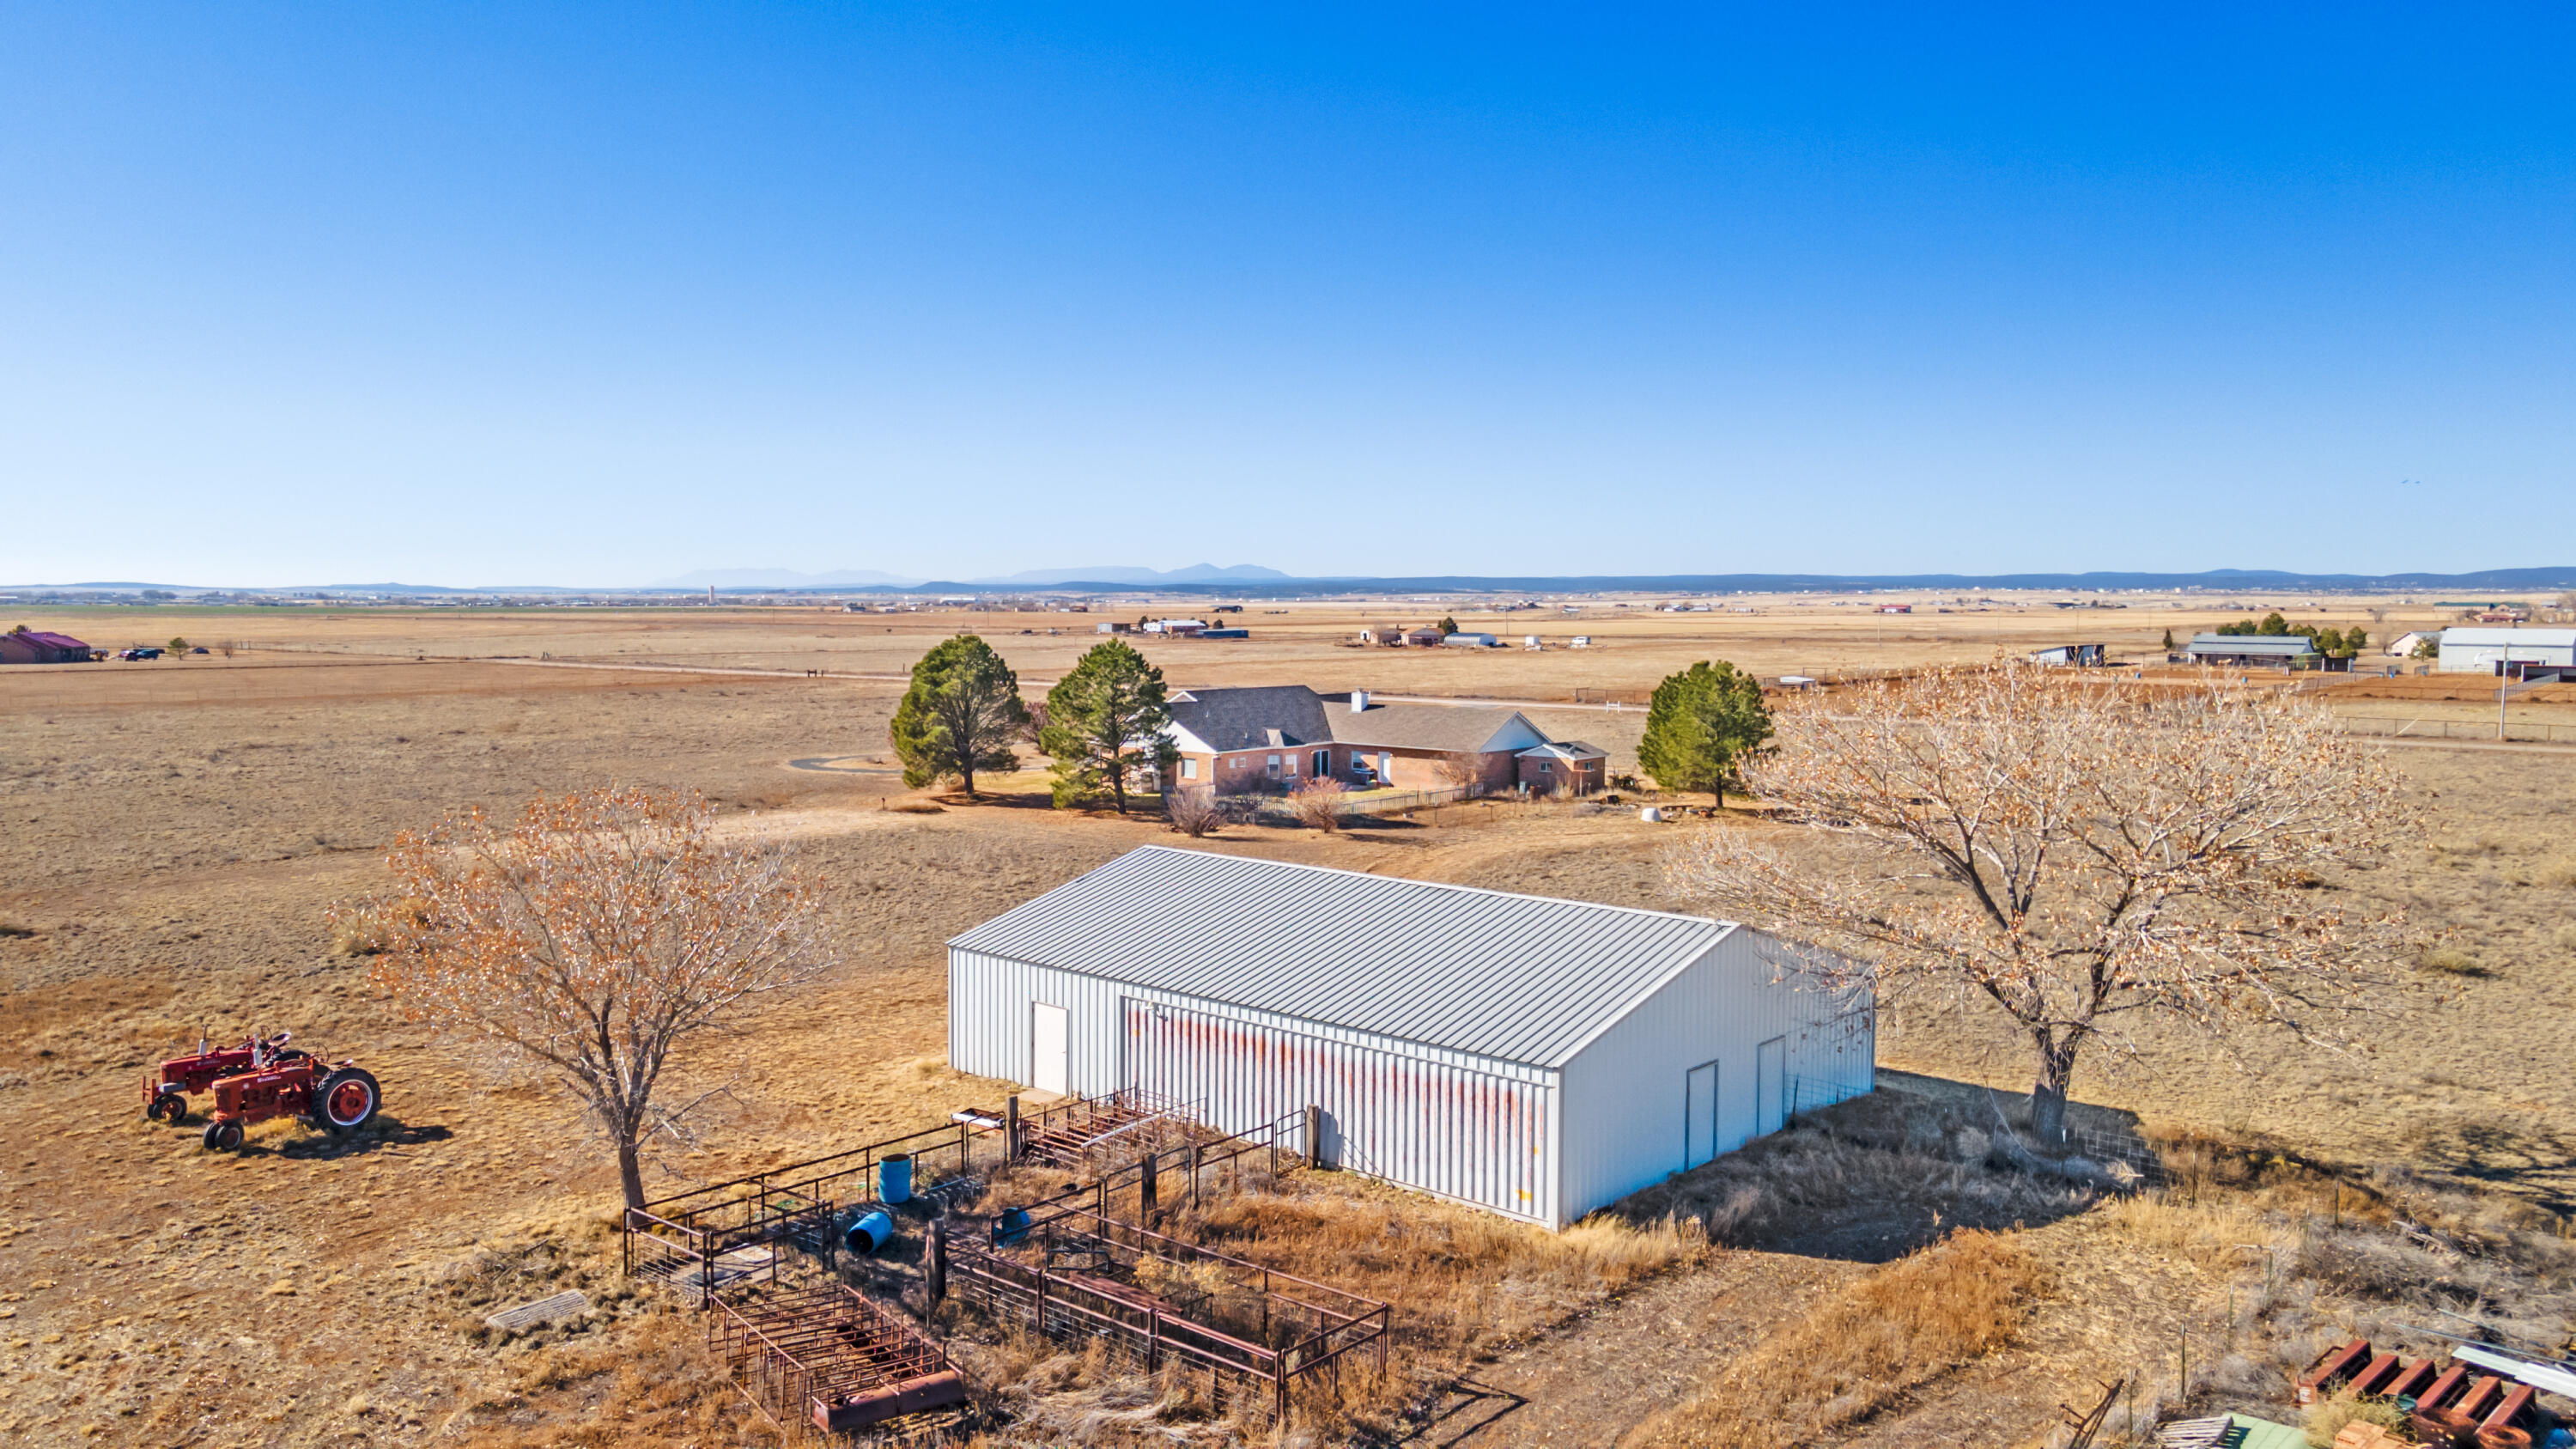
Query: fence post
1314, 1137
1011, 1129
937, 1279
1194, 1174
1145, 1194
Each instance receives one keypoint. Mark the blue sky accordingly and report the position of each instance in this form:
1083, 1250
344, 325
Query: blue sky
596, 295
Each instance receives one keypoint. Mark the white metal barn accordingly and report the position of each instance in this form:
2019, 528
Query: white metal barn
2480, 650
1541, 1058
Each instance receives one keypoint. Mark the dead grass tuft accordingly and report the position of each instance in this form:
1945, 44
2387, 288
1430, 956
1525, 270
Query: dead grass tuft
1902, 1326
2328, 1418
2451, 961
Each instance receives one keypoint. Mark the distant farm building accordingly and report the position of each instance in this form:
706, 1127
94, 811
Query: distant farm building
2510, 651
1537, 1058
2086, 656
1426, 635
35, 646
2403, 646
1465, 640
2254, 651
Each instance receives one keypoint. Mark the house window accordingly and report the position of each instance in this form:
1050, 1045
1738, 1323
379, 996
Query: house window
1189, 769
1274, 764
1544, 767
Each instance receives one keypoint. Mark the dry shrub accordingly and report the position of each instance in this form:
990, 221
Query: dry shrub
1193, 812
373, 928
2450, 961
2328, 1418
1318, 804
1900, 1327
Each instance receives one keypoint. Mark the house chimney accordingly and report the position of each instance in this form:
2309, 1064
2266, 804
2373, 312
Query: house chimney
1359, 701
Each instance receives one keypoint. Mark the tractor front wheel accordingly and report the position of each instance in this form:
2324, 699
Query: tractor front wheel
222, 1136
347, 1099
168, 1107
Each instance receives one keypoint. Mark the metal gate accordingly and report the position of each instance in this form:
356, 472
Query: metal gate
1446, 1129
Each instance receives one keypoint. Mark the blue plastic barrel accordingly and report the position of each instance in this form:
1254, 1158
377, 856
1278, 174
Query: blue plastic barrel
870, 1233
894, 1177
1011, 1227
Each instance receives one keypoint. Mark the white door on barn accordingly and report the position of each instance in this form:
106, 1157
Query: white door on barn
1699, 1115
1770, 1086
1047, 1066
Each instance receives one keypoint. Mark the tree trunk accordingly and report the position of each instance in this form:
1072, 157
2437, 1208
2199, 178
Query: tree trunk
1118, 787
630, 1171
2048, 1094
967, 774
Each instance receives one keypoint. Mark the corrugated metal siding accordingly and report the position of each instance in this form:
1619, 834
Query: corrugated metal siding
1448, 1123
1479, 1137
1624, 1094
1517, 978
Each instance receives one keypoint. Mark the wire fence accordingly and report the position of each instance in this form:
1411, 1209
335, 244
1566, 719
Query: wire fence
2393, 727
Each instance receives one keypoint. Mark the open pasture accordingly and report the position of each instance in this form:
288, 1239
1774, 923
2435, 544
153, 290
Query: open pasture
176, 829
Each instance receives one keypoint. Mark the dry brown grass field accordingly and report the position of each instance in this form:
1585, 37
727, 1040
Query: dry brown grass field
176, 829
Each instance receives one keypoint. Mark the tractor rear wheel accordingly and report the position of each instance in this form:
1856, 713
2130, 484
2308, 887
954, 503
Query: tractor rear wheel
347, 1099
168, 1107
223, 1136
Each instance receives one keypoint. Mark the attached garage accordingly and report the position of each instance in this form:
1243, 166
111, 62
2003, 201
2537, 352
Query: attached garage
1539, 1058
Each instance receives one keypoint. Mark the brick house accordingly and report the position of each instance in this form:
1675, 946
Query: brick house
1564, 767
35, 646
1280, 736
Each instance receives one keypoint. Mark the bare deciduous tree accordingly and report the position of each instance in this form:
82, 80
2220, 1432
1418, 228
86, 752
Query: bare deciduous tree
1318, 803
1193, 810
2078, 856
1463, 771
592, 938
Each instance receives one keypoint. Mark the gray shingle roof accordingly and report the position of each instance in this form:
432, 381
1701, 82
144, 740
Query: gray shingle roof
1271, 716
1452, 728
1518, 978
1251, 718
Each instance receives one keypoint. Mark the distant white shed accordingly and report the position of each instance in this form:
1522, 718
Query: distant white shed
2478, 651
1540, 1058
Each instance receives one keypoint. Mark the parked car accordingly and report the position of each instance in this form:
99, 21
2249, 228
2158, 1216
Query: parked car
201, 649
144, 653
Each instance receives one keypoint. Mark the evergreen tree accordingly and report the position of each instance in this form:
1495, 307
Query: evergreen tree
961, 715
1104, 724
2169, 644
1448, 625
2355, 639
2274, 625
1701, 723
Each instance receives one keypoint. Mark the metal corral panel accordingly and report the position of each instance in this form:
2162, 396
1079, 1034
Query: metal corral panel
1516, 978
1628, 1094
1476, 1136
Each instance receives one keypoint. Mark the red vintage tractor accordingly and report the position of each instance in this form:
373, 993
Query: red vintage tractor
260, 1079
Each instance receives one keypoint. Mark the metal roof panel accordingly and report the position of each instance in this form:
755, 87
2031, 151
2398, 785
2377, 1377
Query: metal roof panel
1519, 978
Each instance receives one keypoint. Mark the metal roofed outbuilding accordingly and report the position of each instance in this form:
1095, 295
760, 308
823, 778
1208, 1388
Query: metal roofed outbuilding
2481, 650
1540, 1058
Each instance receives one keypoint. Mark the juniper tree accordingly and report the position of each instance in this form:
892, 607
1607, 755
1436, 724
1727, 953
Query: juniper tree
962, 714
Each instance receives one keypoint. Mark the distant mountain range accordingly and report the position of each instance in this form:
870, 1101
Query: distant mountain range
1033, 578
1252, 579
